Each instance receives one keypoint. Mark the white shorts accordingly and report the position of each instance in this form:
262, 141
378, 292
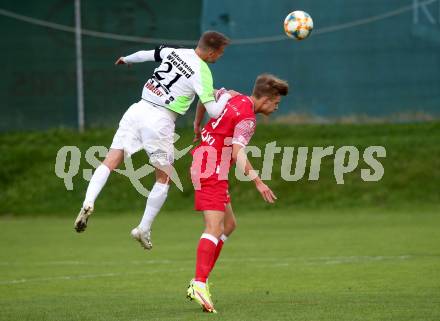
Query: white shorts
149, 127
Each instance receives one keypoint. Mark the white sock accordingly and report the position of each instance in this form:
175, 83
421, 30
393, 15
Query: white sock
223, 238
96, 184
155, 200
201, 284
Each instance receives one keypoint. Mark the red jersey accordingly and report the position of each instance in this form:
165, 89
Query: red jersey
235, 125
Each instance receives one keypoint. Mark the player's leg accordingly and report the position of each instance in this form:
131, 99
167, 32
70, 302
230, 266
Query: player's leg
156, 198
214, 222
112, 160
230, 224
125, 142
155, 201
157, 135
210, 197
230, 221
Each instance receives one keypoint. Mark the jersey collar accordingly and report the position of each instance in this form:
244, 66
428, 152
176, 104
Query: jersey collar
253, 106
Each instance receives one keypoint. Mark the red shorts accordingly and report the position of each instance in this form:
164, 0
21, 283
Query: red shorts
213, 195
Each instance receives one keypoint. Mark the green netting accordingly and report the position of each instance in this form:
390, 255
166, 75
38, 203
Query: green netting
382, 58
38, 83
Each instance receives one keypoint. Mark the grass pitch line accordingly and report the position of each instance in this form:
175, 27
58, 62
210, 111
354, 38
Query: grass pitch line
66, 277
103, 263
87, 276
323, 259
279, 262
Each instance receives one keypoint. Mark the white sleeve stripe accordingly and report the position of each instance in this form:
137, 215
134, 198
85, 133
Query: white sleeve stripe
234, 141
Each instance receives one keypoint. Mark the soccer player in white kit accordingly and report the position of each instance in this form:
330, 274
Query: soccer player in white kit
149, 123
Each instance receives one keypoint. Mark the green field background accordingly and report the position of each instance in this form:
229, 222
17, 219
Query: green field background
29, 185
315, 265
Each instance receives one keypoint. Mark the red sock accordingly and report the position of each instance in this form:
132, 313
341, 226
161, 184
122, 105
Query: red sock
205, 255
217, 253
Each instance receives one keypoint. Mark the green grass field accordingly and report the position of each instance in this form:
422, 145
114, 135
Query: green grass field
358, 251
367, 264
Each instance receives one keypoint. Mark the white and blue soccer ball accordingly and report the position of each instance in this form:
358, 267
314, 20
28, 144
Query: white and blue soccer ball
298, 25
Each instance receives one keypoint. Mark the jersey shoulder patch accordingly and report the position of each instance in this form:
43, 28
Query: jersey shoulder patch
158, 49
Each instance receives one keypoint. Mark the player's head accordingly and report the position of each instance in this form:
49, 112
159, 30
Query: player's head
267, 93
211, 46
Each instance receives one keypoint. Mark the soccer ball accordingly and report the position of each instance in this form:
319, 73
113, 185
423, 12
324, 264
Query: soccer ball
298, 25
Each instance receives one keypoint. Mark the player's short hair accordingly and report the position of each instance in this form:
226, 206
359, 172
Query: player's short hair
213, 40
267, 85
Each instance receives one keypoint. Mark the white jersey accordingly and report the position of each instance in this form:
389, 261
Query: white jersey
180, 76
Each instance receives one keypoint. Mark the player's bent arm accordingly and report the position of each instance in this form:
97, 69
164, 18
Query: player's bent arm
244, 165
200, 112
215, 108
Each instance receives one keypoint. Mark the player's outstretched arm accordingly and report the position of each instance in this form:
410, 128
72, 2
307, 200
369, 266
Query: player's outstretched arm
137, 57
243, 164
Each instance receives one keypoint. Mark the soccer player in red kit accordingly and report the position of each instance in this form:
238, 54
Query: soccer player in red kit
223, 140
